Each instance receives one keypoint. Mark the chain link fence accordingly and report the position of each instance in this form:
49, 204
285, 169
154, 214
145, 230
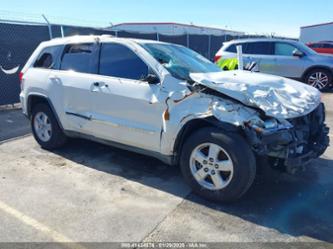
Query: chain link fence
19, 39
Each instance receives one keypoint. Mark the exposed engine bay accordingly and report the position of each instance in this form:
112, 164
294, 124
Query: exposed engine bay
292, 146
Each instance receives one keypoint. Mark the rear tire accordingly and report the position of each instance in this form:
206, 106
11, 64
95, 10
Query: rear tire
234, 164
319, 78
45, 128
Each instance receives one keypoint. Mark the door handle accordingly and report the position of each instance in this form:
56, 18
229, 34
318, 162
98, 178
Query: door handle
100, 84
53, 77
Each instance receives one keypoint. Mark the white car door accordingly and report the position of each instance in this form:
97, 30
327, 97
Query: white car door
77, 69
126, 109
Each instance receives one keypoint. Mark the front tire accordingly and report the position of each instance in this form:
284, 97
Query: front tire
219, 167
319, 78
45, 128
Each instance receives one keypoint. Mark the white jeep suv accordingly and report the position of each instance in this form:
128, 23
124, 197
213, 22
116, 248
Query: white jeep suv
169, 102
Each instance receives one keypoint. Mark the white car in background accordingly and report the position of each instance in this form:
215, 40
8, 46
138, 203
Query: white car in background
169, 102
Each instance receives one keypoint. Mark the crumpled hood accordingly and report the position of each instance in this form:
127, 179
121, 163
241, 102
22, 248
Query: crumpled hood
277, 96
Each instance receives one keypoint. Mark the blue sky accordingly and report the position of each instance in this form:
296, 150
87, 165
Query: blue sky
282, 17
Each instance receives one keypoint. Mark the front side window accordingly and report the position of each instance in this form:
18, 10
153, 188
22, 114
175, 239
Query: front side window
48, 58
180, 61
260, 48
119, 61
79, 58
284, 49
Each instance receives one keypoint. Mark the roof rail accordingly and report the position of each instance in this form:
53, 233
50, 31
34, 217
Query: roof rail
106, 35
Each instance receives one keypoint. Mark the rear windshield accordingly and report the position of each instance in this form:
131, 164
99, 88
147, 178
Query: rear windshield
180, 61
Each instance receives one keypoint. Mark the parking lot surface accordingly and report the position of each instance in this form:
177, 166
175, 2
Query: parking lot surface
87, 192
12, 124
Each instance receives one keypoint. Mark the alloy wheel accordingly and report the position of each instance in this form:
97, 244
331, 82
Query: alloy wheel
211, 166
318, 80
42, 126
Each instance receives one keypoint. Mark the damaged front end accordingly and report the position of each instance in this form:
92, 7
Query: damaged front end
282, 119
291, 143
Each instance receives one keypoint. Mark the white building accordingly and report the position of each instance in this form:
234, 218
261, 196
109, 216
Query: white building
170, 28
316, 33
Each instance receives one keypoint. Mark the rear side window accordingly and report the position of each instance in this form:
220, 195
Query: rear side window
260, 48
79, 58
284, 49
48, 58
117, 60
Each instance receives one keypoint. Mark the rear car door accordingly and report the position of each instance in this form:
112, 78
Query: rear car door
261, 53
126, 108
286, 64
74, 77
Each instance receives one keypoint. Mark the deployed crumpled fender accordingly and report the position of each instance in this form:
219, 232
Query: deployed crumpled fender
278, 97
186, 106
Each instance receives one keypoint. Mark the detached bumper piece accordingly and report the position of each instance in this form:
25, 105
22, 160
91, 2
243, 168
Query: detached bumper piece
297, 146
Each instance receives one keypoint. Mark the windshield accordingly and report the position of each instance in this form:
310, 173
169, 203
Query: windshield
180, 61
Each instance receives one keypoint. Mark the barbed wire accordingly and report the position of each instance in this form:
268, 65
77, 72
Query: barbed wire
37, 18
14, 16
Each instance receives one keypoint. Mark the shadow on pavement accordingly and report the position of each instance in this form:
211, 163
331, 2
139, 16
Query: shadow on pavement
295, 205
299, 205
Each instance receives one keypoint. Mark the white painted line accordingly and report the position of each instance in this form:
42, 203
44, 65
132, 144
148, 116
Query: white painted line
56, 237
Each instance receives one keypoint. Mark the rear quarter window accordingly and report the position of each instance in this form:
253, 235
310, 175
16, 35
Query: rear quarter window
231, 49
49, 58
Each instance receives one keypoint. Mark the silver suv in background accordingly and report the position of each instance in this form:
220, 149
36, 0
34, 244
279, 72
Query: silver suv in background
285, 58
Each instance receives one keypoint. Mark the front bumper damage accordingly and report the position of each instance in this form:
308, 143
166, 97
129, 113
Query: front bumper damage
306, 139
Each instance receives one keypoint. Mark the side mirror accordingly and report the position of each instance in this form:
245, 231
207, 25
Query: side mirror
298, 53
151, 79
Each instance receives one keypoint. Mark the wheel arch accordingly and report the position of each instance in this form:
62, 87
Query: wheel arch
34, 99
307, 71
193, 125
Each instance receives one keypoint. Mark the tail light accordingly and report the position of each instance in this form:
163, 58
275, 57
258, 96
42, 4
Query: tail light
20, 76
217, 57
21, 79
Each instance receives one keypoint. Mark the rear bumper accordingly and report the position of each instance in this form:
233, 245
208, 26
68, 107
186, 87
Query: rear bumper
23, 104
